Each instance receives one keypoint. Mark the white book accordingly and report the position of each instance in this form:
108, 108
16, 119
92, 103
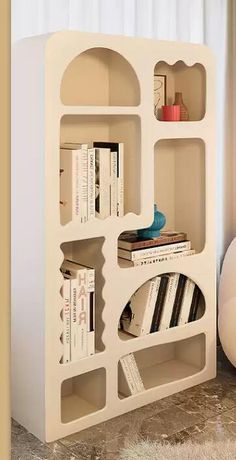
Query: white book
91, 183
80, 273
102, 184
73, 145
135, 372
142, 305
83, 184
114, 187
169, 301
125, 364
120, 181
154, 251
91, 322
66, 321
153, 260
186, 302
74, 320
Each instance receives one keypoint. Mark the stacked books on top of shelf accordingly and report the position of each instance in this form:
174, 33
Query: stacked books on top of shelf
78, 313
134, 251
162, 302
131, 380
91, 181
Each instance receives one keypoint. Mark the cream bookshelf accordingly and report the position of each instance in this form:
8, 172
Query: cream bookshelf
73, 86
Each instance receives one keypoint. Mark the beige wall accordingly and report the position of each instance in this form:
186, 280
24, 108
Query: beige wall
4, 228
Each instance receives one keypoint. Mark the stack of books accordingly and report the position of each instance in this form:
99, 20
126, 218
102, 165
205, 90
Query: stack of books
91, 181
78, 313
133, 250
162, 302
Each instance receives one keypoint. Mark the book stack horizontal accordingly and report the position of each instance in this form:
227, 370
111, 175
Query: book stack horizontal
78, 315
162, 302
134, 251
91, 181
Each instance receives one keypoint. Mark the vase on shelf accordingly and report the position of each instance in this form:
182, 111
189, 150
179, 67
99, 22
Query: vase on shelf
154, 230
184, 115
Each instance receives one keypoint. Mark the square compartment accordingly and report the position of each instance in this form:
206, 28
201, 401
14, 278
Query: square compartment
83, 395
190, 81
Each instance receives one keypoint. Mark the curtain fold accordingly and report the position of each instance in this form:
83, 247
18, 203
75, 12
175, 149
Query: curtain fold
198, 21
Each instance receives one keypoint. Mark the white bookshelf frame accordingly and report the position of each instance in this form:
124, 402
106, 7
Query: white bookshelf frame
38, 67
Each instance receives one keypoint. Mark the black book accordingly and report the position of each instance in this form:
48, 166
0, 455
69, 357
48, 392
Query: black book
178, 301
194, 305
159, 304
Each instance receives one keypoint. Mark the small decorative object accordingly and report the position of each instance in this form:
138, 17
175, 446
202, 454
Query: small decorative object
154, 230
184, 115
159, 94
171, 113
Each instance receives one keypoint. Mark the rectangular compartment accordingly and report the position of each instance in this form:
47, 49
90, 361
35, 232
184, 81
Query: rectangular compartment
83, 395
190, 81
167, 363
179, 169
113, 128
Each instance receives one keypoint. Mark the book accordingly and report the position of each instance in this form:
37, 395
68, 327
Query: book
113, 185
171, 289
118, 148
186, 302
194, 304
139, 310
71, 269
125, 263
73, 182
102, 182
66, 321
159, 303
178, 301
131, 241
91, 183
155, 251
131, 374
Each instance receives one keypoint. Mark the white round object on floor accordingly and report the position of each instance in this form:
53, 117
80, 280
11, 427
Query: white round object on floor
227, 304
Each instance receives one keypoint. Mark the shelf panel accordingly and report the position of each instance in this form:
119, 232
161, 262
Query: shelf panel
98, 110
167, 372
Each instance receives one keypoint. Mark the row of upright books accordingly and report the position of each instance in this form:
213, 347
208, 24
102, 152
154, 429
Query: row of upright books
78, 313
162, 302
136, 251
91, 181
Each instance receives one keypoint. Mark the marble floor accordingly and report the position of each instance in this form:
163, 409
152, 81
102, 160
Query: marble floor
205, 412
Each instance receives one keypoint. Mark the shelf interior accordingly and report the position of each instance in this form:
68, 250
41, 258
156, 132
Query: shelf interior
100, 76
179, 169
113, 128
89, 252
163, 364
190, 81
83, 395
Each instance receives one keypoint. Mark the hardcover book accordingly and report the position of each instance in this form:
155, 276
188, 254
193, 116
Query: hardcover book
154, 251
131, 241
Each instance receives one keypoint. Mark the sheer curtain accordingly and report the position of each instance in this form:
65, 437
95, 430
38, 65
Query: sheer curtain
199, 21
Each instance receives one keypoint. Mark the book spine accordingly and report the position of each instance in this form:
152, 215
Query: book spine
163, 258
135, 373
186, 303
149, 310
125, 364
120, 182
159, 304
82, 313
169, 301
91, 183
194, 304
153, 252
66, 322
90, 324
76, 193
83, 184
74, 320
103, 182
67, 210
113, 184
131, 246
178, 301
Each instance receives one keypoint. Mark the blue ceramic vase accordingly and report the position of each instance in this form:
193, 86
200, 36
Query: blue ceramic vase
154, 230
